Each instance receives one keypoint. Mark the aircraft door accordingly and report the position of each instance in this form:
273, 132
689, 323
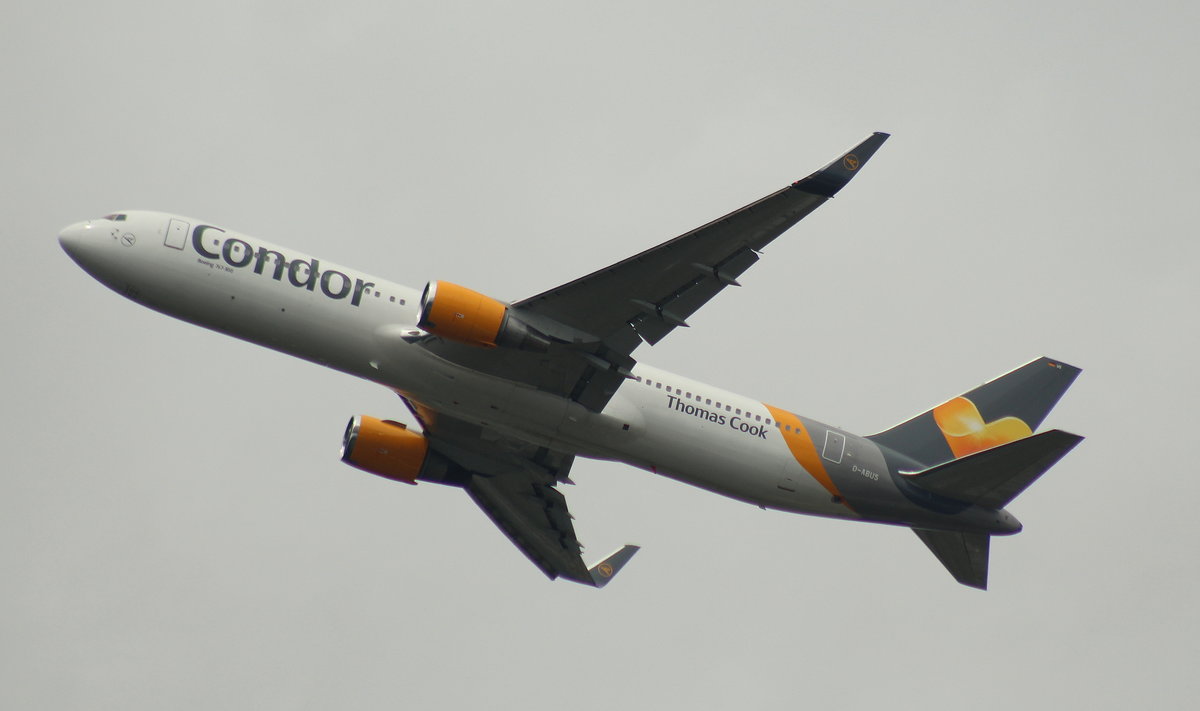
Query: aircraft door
835, 446
177, 232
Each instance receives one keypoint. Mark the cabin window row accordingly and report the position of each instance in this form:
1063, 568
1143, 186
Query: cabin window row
678, 392
379, 293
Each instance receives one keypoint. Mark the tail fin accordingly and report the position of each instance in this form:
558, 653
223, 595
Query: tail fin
1003, 410
965, 555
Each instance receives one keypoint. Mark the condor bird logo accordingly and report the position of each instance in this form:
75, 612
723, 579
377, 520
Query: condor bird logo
967, 433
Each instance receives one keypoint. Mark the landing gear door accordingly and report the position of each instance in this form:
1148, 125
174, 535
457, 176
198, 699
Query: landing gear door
835, 446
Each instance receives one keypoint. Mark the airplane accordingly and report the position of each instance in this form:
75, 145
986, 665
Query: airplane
508, 394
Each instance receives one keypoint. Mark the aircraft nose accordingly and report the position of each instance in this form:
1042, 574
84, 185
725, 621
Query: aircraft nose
73, 238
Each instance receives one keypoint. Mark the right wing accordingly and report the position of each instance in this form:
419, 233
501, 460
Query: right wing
965, 555
533, 514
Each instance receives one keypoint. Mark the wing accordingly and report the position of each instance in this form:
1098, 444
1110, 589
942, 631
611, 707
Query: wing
515, 483
645, 297
597, 321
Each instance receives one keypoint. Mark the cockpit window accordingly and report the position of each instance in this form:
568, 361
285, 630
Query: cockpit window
115, 217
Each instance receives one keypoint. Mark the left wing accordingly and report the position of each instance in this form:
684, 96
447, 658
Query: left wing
595, 322
515, 483
645, 297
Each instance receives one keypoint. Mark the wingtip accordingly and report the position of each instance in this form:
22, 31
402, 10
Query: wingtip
607, 569
827, 181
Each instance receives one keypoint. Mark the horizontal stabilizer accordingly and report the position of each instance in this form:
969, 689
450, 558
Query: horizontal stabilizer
995, 476
606, 570
965, 555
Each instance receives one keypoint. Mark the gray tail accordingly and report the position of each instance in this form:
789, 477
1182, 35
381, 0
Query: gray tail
965, 555
1003, 410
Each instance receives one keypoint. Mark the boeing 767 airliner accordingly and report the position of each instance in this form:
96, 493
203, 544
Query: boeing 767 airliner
508, 394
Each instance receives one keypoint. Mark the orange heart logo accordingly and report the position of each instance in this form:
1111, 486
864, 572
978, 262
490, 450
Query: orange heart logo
967, 433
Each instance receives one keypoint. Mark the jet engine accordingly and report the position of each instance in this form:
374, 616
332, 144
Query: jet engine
459, 314
391, 450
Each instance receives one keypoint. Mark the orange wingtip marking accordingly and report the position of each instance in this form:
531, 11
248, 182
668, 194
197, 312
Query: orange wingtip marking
967, 433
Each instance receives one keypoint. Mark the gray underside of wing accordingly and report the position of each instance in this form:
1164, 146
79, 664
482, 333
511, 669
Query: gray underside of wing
597, 321
533, 514
649, 295
515, 483
645, 297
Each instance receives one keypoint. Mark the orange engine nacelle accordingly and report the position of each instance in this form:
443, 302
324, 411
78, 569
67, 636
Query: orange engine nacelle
457, 313
386, 448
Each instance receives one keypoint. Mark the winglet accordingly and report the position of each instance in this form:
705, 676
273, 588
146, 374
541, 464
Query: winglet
833, 177
604, 571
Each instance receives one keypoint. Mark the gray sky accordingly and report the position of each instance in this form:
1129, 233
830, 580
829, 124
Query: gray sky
176, 529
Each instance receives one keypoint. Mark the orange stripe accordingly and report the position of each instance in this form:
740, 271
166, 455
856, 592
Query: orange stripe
805, 452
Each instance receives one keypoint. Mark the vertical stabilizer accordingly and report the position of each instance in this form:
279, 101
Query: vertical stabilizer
1003, 410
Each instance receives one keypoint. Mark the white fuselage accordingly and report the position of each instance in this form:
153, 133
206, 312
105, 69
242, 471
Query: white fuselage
365, 326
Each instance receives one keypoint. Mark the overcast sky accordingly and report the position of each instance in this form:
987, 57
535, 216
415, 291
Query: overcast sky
176, 530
